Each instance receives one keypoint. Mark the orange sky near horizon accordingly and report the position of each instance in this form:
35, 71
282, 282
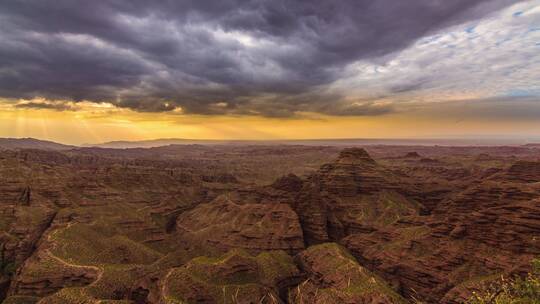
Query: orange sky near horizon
97, 123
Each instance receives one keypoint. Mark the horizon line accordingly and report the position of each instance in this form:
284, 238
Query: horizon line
486, 140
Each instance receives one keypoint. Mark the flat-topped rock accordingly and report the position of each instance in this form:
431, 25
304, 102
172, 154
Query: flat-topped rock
413, 154
355, 155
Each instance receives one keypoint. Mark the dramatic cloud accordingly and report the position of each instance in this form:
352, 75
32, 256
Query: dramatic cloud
497, 56
44, 105
270, 58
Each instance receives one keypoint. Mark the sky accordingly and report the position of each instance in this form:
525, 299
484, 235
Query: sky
95, 71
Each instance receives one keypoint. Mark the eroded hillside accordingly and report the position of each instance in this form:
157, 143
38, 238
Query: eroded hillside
265, 224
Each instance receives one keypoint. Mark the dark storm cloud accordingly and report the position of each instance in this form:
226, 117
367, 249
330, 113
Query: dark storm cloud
269, 58
39, 105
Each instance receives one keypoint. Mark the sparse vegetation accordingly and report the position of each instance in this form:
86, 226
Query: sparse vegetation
512, 290
336, 277
235, 277
124, 227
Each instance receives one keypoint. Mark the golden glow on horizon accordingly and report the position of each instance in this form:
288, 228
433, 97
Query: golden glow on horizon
95, 123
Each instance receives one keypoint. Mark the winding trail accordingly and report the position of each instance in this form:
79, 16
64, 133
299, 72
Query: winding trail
98, 270
163, 287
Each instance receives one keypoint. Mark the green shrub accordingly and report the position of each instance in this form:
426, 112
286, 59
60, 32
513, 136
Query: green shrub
512, 291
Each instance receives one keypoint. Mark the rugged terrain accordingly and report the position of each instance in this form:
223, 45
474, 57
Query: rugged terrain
264, 223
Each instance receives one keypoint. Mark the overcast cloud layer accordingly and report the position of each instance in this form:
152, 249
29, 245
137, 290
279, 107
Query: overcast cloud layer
270, 58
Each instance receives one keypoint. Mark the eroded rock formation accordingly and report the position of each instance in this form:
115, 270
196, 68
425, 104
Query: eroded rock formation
203, 224
224, 224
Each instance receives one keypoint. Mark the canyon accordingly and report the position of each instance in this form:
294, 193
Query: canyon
256, 223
